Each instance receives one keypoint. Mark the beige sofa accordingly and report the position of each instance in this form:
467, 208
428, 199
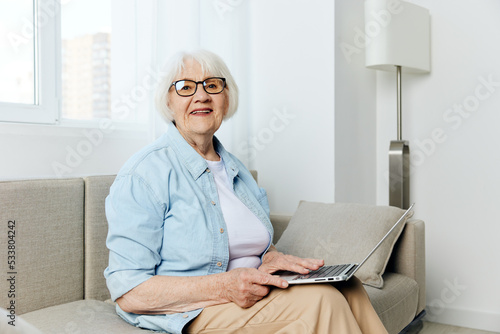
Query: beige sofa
55, 231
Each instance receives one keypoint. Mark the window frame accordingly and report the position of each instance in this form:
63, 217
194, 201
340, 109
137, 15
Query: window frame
46, 107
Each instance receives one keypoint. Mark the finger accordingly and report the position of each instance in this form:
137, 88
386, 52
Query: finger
267, 279
290, 263
303, 266
298, 268
312, 264
260, 291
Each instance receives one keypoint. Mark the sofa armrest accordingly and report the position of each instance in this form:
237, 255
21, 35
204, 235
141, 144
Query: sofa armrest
408, 256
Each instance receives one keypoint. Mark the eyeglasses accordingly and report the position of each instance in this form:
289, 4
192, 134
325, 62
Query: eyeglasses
189, 87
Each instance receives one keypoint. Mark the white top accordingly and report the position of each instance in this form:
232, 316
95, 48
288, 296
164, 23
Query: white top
248, 237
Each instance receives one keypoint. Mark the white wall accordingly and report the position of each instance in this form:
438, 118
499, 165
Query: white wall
355, 111
312, 109
292, 100
39, 151
455, 160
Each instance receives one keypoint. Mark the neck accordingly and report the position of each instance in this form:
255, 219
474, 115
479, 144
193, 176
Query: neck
204, 145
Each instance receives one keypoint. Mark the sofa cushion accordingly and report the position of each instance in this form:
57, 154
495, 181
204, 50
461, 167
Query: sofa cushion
396, 303
343, 233
12, 324
96, 230
83, 317
48, 227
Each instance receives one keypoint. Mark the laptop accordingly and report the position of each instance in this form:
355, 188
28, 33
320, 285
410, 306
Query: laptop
335, 273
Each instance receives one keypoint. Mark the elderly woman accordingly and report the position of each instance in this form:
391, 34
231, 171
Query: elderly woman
189, 231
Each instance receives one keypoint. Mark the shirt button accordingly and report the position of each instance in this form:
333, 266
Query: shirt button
185, 316
208, 170
213, 203
221, 230
219, 264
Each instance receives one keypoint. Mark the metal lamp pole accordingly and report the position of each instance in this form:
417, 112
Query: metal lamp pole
399, 159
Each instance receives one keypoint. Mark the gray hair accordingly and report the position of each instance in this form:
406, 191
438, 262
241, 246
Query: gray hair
210, 63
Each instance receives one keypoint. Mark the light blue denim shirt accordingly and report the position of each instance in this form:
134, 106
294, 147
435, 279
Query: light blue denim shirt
164, 219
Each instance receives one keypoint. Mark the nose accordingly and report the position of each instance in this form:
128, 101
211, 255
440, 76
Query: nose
201, 94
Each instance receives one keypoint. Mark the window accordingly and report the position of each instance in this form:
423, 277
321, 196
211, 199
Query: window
27, 85
58, 66
17, 56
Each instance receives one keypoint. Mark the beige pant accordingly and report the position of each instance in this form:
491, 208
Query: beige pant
312, 308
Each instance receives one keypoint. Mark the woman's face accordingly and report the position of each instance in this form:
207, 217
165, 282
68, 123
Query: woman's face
200, 114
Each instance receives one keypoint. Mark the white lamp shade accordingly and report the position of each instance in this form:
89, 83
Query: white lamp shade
397, 33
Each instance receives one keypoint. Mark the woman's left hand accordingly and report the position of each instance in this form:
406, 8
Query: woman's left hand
274, 261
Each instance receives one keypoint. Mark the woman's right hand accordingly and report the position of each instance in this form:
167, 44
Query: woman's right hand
175, 294
246, 286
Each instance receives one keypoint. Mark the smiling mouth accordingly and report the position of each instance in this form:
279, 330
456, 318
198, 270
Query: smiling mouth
208, 111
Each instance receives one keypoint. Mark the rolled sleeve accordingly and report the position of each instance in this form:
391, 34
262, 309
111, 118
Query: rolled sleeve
135, 235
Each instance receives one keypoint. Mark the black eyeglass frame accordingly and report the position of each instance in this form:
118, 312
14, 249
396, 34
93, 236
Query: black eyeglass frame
203, 83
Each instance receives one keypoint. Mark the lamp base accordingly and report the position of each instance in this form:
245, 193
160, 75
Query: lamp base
399, 174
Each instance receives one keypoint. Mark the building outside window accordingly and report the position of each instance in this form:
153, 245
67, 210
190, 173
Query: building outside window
86, 76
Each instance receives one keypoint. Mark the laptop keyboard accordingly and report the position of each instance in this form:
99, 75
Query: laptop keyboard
327, 271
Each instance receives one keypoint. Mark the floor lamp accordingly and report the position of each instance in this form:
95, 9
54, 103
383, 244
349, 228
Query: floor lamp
397, 39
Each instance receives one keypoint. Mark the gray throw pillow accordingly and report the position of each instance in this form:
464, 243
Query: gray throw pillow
343, 233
